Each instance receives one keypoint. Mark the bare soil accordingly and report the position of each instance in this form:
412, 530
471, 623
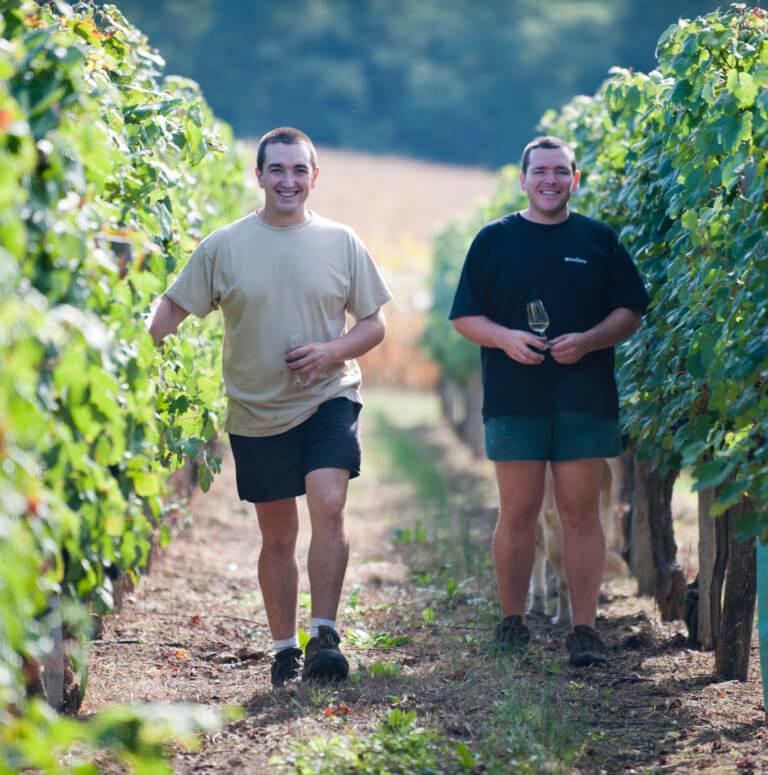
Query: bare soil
195, 630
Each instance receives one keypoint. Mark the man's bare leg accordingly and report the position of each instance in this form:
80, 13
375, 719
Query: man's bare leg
329, 547
278, 570
577, 491
521, 488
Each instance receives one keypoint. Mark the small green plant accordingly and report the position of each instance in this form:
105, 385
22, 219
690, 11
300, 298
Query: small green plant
399, 745
428, 615
321, 696
466, 757
415, 535
422, 578
354, 597
381, 640
381, 669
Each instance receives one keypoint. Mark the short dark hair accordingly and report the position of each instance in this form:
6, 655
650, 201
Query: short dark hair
546, 141
287, 135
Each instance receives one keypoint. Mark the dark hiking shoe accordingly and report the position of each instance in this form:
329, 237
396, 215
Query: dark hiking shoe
585, 647
322, 660
285, 668
512, 635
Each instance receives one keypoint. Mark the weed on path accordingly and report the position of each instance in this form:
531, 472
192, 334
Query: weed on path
426, 694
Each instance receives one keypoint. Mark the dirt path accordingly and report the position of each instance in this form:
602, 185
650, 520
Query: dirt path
418, 611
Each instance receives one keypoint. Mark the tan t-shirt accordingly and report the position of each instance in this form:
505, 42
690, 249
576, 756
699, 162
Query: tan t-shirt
270, 284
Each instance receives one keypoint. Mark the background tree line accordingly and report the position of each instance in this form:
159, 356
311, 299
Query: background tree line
461, 81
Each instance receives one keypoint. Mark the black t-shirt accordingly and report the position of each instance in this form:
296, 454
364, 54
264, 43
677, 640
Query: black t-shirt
581, 272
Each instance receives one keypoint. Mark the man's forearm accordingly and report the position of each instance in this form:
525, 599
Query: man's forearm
165, 318
615, 328
362, 337
480, 330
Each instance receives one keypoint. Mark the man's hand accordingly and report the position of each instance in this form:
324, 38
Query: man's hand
518, 346
309, 361
570, 348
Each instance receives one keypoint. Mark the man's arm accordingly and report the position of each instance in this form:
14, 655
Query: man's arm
165, 318
310, 360
618, 326
516, 344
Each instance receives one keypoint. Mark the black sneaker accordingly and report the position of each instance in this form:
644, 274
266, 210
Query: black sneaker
512, 634
322, 660
285, 668
585, 647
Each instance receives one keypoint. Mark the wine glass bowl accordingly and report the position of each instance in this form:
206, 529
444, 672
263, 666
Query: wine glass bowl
538, 319
296, 340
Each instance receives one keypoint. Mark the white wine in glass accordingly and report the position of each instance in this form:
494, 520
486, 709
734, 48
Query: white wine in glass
538, 320
296, 340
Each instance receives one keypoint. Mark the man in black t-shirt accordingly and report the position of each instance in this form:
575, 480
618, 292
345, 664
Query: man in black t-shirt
549, 399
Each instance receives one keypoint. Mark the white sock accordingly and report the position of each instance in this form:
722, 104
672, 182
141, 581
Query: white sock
315, 624
286, 643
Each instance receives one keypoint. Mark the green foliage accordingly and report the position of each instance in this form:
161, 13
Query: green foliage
399, 745
676, 161
135, 736
99, 153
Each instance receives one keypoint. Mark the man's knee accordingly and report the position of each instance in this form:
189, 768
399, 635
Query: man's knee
279, 526
327, 496
577, 487
518, 517
581, 515
279, 539
328, 506
578, 507
521, 491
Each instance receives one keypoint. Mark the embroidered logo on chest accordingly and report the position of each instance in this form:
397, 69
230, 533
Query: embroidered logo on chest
575, 260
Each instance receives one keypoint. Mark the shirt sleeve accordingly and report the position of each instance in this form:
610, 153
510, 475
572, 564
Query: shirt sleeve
626, 285
470, 296
367, 289
193, 289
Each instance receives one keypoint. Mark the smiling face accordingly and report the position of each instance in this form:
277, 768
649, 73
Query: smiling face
549, 182
287, 178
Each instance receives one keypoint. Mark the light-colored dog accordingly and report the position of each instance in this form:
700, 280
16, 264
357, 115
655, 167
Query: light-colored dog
549, 543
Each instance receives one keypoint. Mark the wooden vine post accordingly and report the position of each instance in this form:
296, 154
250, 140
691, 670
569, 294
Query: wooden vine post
654, 551
709, 599
640, 541
734, 634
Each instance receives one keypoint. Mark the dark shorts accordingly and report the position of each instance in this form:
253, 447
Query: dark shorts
271, 468
558, 437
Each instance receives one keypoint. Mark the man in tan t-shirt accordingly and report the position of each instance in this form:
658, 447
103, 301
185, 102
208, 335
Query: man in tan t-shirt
285, 279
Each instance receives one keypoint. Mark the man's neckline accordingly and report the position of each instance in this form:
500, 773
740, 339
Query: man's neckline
310, 216
519, 214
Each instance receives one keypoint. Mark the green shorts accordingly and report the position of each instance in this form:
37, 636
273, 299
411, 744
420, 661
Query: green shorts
558, 437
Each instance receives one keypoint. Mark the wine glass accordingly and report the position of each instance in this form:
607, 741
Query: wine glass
296, 340
538, 320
